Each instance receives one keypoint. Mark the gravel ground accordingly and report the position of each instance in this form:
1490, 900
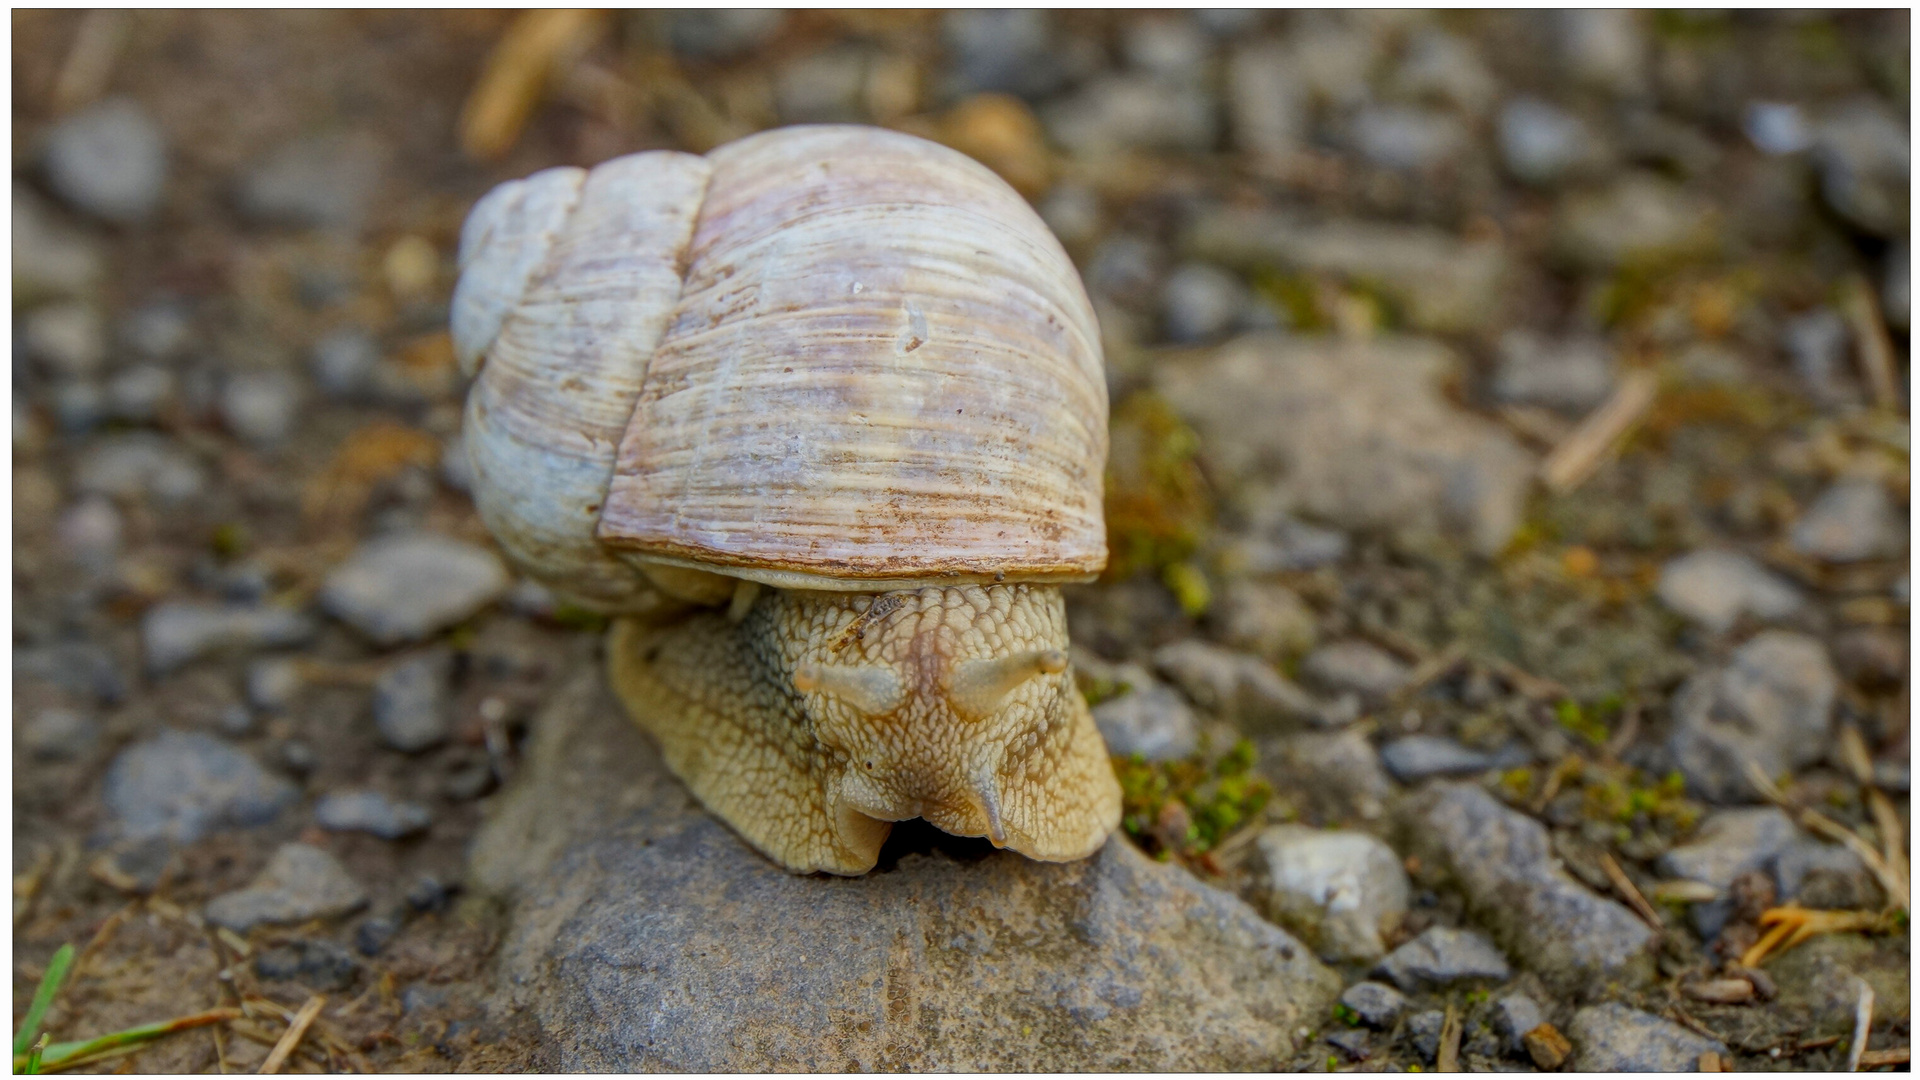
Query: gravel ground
1510, 457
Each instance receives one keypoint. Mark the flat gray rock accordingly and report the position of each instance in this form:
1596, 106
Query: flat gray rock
370, 812
410, 702
1728, 844
1339, 889
1358, 434
110, 160
300, 882
1420, 757
1442, 283
1376, 1004
1151, 720
409, 586
1504, 863
1714, 588
1235, 686
1772, 704
182, 785
177, 632
1442, 956
1850, 521
646, 936
1615, 1038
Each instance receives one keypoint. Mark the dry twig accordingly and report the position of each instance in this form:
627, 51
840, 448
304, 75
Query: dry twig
1880, 1059
1870, 341
1814, 821
536, 45
296, 1030
1629, 892
89, 65
1582, 452
1862, 1024
1449, 1058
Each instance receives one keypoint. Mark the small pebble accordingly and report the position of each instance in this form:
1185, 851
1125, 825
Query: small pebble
372, 935
1442, 956
139, 465
319, 181
1357, 666
298, 756
184, 785
135, 866
1850, 521
427, 894
320, 965
721, 33
1776, 127
1513, 1016
1407, 138
1150, 720
1616, 1038
261, 407
1714, 588
300, 882
89, 533
109, 160
273, 683
58, 734
77, 667
405, 587
1771, 703
1341, 891
410, 702
1726, 845
1571, 374
1541, 143
177, 632
1417, 757
1201, 302
370, 812
235, 721
1423, 1032
1376, 1004
1010, 51
1235, 686
343, 363
157, 330
50, 258
67, 339
140, 393
1356, 1045
79, 405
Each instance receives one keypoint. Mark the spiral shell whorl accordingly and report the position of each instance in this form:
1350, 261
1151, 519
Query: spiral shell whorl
570, 281
506, 236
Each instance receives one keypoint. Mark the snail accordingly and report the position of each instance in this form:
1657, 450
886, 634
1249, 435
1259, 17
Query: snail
835, 395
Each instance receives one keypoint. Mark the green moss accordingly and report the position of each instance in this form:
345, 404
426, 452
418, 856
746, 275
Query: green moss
1187, 807
574, 617
1345, 1014
230, 539
1158, 505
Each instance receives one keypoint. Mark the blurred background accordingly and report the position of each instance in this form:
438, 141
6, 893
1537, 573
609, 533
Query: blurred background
1506, 381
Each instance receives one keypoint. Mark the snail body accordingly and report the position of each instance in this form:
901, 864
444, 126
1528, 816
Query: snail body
838, 389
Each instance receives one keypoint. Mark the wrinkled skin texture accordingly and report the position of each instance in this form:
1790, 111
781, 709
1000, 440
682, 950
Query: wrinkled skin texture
817, 719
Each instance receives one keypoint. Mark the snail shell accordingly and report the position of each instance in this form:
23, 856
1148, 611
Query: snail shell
828, 357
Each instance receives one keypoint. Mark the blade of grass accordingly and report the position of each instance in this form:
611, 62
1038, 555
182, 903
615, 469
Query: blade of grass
33, 1055
63, 1055
43, 999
